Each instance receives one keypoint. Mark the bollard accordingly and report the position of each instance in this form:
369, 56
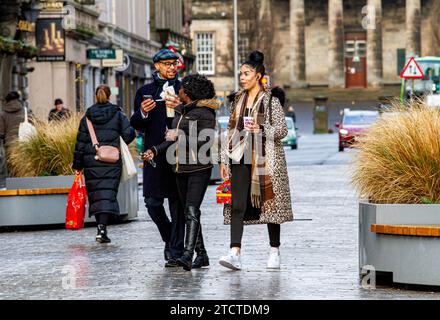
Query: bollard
320, 114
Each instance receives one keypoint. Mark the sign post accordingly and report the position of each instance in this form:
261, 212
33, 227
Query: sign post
101, 54
411, 71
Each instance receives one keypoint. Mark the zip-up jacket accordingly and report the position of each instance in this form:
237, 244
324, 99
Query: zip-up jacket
192, 147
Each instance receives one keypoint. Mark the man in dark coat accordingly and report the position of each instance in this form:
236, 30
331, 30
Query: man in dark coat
59, 112
150, 117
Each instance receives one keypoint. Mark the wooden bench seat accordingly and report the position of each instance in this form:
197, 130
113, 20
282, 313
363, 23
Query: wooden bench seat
33, 192
426, 230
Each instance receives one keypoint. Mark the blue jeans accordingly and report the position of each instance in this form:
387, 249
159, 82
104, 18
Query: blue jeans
172, 232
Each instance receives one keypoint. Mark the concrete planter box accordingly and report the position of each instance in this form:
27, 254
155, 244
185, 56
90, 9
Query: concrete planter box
47, 209
411, 259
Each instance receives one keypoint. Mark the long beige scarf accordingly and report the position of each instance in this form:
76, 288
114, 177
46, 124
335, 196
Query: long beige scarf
261, 185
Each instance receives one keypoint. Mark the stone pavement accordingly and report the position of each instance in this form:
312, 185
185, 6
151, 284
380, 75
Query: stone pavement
319, 252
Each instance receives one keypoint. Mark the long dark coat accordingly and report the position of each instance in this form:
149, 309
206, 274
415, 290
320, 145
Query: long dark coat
159, 182
102, 179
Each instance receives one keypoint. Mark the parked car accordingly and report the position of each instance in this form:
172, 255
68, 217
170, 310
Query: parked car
354, 124
292, 138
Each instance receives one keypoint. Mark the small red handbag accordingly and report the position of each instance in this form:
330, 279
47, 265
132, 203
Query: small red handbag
223, 193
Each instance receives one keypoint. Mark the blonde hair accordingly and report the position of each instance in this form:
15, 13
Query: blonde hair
102, 93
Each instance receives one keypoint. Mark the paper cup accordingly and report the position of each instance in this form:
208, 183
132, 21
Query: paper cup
248, 121
170, 112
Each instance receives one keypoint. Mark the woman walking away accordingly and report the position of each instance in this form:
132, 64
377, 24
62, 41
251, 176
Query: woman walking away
194, 121
102, 178
253, 158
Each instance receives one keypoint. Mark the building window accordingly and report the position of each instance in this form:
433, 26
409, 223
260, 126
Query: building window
355, 48
243, 49
205, 53
401, 60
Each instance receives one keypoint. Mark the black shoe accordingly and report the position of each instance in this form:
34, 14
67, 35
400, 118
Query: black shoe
167, 253
185, 261
172, 263
201, 261
101, 236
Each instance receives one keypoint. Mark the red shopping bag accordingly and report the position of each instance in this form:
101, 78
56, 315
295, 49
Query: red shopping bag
223, 193
76, 204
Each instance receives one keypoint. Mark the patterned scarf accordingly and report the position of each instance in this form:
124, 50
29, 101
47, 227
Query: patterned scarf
261, 185
160, 82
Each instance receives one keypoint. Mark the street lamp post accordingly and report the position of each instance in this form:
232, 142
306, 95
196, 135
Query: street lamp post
235, 46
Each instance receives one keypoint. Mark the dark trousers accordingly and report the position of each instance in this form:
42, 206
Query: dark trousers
192, 188
172, 232
103, 218
241, 189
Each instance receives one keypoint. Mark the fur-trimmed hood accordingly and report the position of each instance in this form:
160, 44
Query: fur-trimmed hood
209, 103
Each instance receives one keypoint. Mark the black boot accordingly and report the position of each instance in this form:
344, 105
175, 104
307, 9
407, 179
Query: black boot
166, 252
101, 236
192, 231
202, 259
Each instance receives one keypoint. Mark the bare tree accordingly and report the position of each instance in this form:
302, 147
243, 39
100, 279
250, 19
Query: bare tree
433, 31
257, 25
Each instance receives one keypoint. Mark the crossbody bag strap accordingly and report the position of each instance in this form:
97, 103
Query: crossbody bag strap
92, 133
25, 115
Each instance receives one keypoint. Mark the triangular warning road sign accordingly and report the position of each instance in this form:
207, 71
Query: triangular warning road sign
412, 70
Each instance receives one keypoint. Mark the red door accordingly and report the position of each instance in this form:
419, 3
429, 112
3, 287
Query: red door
355, 60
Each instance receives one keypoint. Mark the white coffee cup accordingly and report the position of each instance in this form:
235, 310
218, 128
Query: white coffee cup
170, 111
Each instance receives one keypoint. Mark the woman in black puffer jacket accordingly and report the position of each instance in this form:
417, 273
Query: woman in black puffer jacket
194, 129
101, 178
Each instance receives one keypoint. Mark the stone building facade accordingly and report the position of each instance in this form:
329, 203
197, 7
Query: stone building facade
330, 43
137, 27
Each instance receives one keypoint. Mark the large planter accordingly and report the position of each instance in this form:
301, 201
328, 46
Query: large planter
42, 201
412, 258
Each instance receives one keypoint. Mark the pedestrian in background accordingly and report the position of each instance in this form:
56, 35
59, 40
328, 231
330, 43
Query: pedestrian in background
259, 180
159, 180
196, 114
10, 119
290, 113
102, 178
59, 112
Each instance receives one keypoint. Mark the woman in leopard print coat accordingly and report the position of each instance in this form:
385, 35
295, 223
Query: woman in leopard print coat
275, 209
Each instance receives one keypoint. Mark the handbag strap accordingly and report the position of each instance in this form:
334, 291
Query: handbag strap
25, 115
92, 133
254, 106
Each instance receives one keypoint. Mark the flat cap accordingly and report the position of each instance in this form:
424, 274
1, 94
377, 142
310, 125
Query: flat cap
165, 54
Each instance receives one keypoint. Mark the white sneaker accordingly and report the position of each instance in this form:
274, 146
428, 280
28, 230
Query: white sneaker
231, 261
274, 261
